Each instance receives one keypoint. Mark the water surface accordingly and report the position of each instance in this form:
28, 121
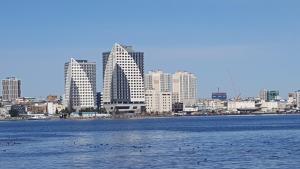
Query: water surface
256, 142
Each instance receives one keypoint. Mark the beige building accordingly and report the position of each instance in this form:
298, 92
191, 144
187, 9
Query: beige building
157, 101
234, 106
184, 88
158, 80
158, 96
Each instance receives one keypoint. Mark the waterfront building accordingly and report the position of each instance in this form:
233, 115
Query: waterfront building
184, 88
271, 106
158, 87
37, 108
234, 106
18, 109
158, 101
212, 104
123, 84
292, 98
80, 84
11, 89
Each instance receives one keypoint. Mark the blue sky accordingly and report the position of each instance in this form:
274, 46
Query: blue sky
240, 46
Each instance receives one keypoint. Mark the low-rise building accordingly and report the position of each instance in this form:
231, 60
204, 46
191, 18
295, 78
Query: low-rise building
158, 101
269, 106
213, 105
235, 106
37, 108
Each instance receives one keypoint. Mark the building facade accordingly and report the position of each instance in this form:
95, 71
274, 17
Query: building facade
272, 95
123, 80
184, 88
234, 106
269, 95
158, 87
158, 102
80, 84
159, 81
11, 89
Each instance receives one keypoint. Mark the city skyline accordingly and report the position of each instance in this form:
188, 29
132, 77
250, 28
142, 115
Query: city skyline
242, 53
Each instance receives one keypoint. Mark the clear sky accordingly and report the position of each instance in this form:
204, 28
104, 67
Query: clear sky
240, 46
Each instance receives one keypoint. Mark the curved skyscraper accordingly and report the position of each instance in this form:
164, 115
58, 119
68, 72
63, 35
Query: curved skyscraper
123, 80
80, 84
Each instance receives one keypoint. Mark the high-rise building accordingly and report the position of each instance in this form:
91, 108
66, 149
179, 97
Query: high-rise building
11, 89
158, 80
80, 84
272, 95
158, 95
123, 74
263, 94
184, 88
269, 95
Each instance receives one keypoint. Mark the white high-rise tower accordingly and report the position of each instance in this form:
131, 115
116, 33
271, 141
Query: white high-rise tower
80, 84
123, 81
184, 88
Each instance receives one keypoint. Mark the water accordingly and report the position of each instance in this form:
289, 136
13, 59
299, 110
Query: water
258, 142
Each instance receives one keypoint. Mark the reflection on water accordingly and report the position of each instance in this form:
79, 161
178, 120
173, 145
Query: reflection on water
206, 142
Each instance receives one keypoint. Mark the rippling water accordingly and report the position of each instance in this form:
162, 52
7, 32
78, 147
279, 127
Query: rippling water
191, 142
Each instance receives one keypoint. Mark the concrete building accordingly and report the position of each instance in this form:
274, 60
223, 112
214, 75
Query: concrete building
159, 81
158, 102
292, 99
234, 106
158, 87
184, 88
80, 84
263, 95
212, 104
123, 84
11, 89
37, 108
52, 108
269, 106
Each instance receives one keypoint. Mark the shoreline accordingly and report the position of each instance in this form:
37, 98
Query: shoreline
148, 117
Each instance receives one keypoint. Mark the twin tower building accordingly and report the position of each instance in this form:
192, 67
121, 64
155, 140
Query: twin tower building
125, 87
